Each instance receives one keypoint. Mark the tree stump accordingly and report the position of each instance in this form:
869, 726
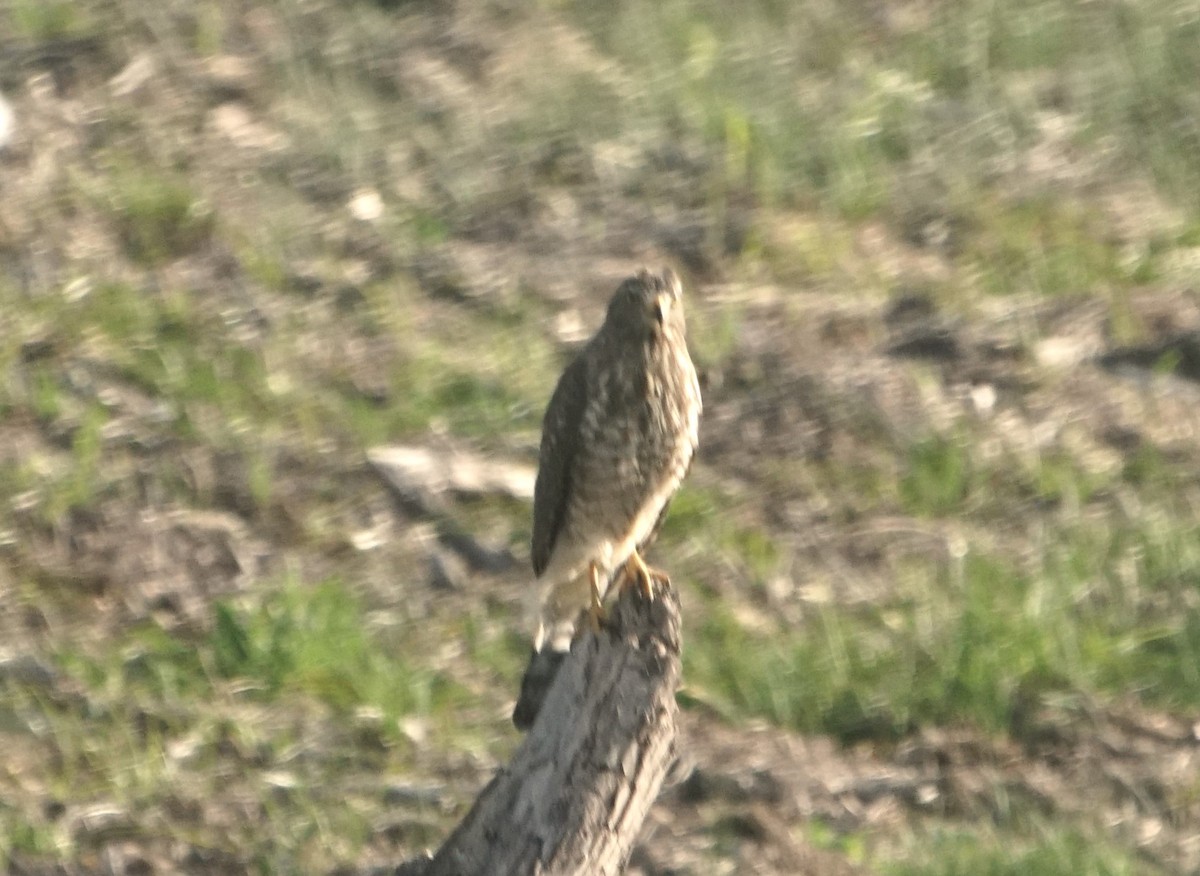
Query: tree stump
574, 797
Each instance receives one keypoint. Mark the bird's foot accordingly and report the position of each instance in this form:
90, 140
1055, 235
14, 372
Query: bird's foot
596, 614
639, 574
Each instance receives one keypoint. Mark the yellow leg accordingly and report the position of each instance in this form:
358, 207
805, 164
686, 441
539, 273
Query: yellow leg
637, 572
596, 608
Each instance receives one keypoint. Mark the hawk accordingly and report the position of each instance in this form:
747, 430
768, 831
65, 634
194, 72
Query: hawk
618, 438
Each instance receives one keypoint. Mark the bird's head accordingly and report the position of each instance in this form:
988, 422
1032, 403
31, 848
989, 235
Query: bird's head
648, 303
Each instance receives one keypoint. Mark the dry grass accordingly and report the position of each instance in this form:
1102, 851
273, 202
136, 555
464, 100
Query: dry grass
937, 557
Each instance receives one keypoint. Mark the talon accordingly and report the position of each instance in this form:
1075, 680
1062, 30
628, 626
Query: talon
595, 613
639, 574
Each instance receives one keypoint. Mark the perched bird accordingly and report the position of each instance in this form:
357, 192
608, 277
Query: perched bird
618, 438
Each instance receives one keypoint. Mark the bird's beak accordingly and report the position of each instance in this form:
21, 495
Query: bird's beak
662, 307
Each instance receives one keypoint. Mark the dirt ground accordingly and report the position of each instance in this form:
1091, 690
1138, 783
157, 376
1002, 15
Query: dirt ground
806, 377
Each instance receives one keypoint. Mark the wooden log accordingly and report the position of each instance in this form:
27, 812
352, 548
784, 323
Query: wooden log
577, 790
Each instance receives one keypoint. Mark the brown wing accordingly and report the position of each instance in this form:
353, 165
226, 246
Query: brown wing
560, 443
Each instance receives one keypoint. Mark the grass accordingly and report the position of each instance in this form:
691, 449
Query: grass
194, 328
1049, 851
312, 640
1102, 612
1103, 605
158, 216
50, 20
292, 641
882, 672
160, 712
795, 110
938, 477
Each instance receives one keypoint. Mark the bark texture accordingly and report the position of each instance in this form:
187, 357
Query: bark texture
573, 799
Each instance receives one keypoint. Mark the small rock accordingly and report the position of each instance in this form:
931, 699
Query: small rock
134, 76
415, 730
280, 781
8, 122
983, 398
368, 539
927, 794
234, 121
424, 470
230, 77
366, 205
1059, 352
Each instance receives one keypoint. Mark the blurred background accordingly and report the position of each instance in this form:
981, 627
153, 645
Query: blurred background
939, 557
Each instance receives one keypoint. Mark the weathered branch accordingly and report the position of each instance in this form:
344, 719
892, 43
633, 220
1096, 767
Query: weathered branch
577, 790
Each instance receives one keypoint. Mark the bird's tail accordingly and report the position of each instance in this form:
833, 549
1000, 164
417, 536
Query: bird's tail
558, 617
558, 611
556, 625
554, 633
535, 684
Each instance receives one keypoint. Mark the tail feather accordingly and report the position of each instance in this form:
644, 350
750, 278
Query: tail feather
555, 633
558, 614
535, 684
560, 611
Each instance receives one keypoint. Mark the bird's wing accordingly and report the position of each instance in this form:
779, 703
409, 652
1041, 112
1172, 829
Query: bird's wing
560, 441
